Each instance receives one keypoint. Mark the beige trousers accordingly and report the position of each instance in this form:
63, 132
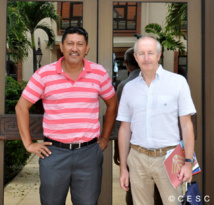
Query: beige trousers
146, 171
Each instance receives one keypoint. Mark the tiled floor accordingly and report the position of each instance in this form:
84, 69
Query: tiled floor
24, 189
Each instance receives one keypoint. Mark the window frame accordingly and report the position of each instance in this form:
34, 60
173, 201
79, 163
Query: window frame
71, 17
128, 32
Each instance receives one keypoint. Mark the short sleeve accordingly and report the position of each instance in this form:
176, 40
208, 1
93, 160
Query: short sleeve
106, 88
124, 112
34, 89
186, 105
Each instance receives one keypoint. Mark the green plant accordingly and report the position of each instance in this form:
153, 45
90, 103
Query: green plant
30, 16
15, 153
166, 37
17, 40
13, 92
15, 158
176, 18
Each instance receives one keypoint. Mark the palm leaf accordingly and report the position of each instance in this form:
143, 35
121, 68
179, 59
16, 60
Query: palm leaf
171, 44
177, 18
30, 15
48, 30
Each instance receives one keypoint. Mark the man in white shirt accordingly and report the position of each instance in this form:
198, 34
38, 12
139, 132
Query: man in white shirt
149, 110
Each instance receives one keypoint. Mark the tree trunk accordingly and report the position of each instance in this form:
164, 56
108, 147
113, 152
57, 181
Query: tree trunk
34, 51
34, 60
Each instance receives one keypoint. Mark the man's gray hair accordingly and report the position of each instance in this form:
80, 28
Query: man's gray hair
159, 47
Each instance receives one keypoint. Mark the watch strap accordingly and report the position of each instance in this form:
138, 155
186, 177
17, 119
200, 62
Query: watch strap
190, 160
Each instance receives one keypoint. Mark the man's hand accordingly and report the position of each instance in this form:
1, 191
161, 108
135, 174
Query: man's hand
103, 143
40, 149
186, 173
124, 179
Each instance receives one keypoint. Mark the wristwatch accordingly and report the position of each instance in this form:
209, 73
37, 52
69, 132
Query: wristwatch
190, 160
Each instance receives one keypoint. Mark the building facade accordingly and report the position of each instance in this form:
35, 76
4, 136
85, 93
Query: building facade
98, 18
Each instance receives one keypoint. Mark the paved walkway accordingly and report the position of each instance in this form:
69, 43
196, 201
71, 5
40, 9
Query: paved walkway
24, 189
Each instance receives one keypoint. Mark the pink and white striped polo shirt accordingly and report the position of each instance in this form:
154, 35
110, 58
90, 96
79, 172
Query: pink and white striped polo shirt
71, 107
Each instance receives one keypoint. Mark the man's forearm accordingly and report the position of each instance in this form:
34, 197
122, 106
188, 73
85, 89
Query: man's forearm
188, 136
110, 116
22, 115
124, 143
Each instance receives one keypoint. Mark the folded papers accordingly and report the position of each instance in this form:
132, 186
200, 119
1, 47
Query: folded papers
175, 159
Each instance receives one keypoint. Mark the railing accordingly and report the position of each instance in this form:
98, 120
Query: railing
9, 131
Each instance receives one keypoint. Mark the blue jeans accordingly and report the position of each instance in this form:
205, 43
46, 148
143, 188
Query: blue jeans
79, 169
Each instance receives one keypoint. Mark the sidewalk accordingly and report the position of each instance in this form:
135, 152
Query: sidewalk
24, 189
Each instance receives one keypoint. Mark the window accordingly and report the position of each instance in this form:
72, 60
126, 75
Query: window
180, 64
120, 72
11, 69
126, 18
71, 14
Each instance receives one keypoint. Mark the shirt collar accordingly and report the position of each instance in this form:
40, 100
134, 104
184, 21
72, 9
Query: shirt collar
159, 73
87, 67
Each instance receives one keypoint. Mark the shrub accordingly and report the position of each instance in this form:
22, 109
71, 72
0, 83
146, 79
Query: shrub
15, 158
15, 153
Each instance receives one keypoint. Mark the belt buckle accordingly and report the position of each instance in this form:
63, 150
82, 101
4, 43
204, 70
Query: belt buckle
71, 146
79, 146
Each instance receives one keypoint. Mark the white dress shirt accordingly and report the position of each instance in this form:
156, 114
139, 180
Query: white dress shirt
153, 111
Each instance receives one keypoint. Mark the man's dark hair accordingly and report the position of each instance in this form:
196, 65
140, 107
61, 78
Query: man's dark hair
130, 59
79, 30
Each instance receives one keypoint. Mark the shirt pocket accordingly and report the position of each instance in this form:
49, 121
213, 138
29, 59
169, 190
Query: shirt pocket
166, 104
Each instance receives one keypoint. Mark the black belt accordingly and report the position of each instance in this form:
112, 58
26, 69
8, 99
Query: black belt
70, 145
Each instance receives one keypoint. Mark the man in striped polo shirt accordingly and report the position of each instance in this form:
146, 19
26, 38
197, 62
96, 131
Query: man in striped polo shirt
71, 154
